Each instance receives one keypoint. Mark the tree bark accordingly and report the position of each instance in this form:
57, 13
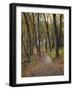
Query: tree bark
47, 32
38, 37
56, 35
52, 33
24, 48
29, 35
60, 33
35, 39
46, 44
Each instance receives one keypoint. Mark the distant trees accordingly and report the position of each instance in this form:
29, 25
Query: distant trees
42, 31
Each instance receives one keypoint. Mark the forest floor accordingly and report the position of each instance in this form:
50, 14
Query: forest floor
44, 66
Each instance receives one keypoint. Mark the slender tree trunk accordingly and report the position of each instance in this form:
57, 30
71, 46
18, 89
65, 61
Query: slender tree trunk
33, 30
46, 44
24, 48
30, 19
47, 32
38, 37
35, 35
60, 33
52, 40
31, 22
56, 35
29, 35
52, 32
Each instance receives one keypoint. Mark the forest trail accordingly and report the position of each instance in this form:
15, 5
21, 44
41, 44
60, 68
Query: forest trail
44, 66
45, 58
42, 44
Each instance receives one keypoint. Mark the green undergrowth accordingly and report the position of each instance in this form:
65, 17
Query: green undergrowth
53, 53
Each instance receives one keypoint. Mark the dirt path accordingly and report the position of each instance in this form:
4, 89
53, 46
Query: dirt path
43, 67
45, 58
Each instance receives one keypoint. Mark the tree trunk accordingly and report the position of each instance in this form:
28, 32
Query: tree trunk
47, 32
56, 35
52, 40
29, 35
52, 32
35, 36
38, 38
24, 48
60, 33
46, 44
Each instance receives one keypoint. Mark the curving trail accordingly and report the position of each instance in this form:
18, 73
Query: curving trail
43, 67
